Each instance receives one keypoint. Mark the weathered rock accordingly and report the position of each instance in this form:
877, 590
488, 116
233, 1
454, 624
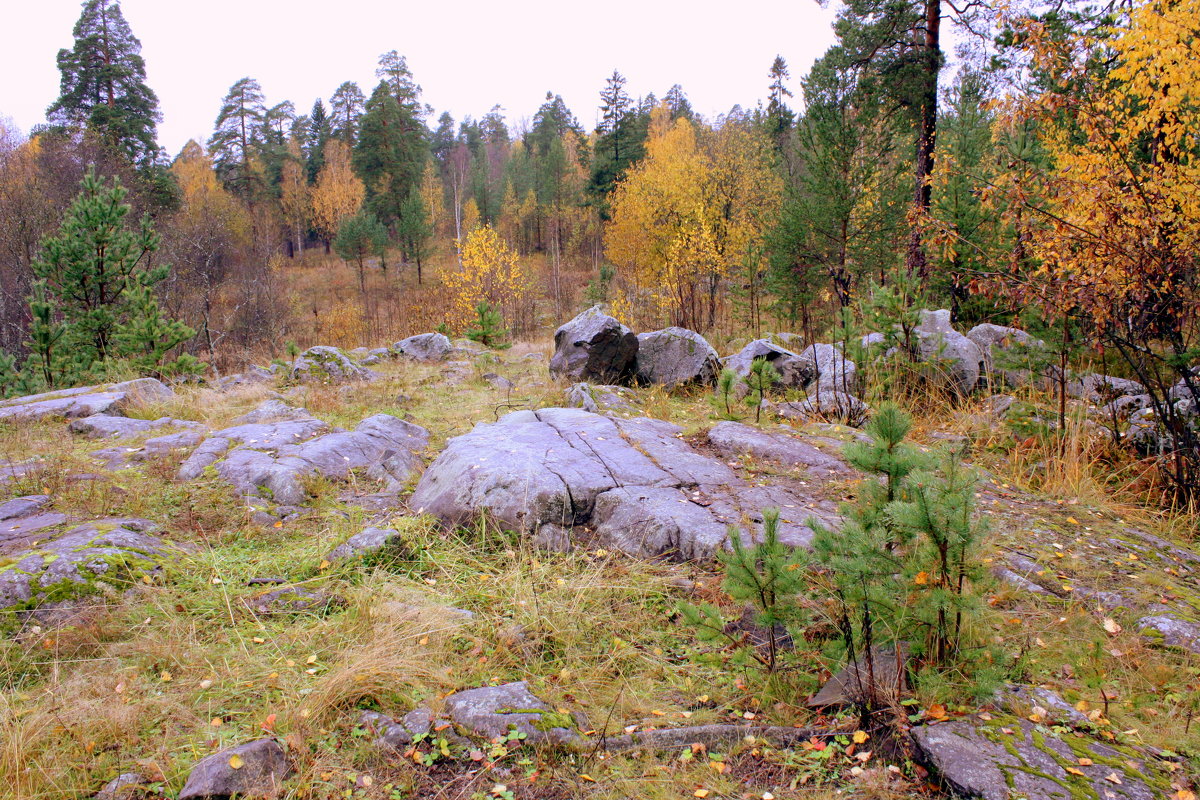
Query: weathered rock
676, 357
1021, 699
643, 489
977, 759
264, 767
272, 411
424, 347
749, 631
594, 347
254, 376
491, 711
85, 401
125, 786
961, 359
600, 399
369, 540
102, 426
794, 372
832, 371
1172, 630
292, 600
1102, 389
323, 364
853, 682
732, 439
1010, 354
269, 464
104, 556
21, 507
500, 382
827, 406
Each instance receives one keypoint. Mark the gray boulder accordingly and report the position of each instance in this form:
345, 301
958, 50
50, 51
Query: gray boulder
369, 540
424, 347
101, 557
961, 360
978, 759
1102, 389
675, 357
639, 486
85, 401
1172, 630
323, 364
254, 376
600, 399
594, 347
262, 767
794, 371
491, 712
832, 371
827, 406
1010, 354
125, 786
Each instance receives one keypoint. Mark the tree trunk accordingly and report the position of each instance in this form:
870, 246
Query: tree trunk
916, 260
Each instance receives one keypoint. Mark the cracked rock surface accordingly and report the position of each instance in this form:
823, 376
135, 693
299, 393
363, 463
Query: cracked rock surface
561, 474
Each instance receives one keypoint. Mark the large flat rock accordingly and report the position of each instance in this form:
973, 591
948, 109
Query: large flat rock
635, 485
85, 401
273, 459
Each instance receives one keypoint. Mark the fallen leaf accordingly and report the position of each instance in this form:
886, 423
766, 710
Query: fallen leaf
587, 777
921, 578
860, 737
1074, 771
1111, 625
1112, 777
700, 793
1085, 762
936, 711
165, 676
236, 761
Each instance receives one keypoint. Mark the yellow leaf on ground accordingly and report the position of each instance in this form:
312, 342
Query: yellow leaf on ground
236, 761
1111, 625
860, 737
587, 777
700, 793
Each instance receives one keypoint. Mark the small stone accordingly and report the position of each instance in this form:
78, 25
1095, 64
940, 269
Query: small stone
263, 767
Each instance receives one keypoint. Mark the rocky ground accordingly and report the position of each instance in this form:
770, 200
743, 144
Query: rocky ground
435, 570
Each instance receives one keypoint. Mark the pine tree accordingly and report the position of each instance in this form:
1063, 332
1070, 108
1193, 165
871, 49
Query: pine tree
489, 327
93, 301
761, 377
413, 230
236, 139
779, 116
360, 236
346, 106
103, 85
767, 576
390, 153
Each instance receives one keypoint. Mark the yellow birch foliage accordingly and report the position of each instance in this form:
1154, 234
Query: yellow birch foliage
1120, 224
338, 193
492, 273
685, 216
206, 209
435, 199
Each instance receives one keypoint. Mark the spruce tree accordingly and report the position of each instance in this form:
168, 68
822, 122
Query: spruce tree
103, 85
413, 230
318, 133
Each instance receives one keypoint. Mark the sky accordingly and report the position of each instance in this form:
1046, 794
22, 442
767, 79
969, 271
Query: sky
467, 56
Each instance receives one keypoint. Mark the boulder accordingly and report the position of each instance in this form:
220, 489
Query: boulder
594, 347
832, 371
254, 376
272, 411
850, 684
491, 712
274, 459
675, 357
1021, 699
600, 399
1008, 353
255, 768
733, 439
794, 372
85, 401
635, 482
961, 359
424, 347
1172, 630
126, 786
369, 540
100, 557
976, 758
827, 406
322, 364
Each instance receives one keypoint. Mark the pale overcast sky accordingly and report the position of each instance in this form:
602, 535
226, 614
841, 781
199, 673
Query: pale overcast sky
467, 56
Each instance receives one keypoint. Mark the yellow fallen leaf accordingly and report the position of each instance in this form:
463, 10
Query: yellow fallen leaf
586, 777
860, 737
658, 713
165, 676
700, 793
1074, 771
236, 761
311, 659
1112, 777
921, 579
1085, 762
1111, 625
216, 722
1184, 794
258, 640
279, 523
323, 565
1072, 520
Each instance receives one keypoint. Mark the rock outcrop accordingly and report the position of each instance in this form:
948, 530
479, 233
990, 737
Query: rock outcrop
256, 768
490, 712
637, 485
794, 371
85, 401
674, 357
595, 348
961, 359
323, 364
271, 460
